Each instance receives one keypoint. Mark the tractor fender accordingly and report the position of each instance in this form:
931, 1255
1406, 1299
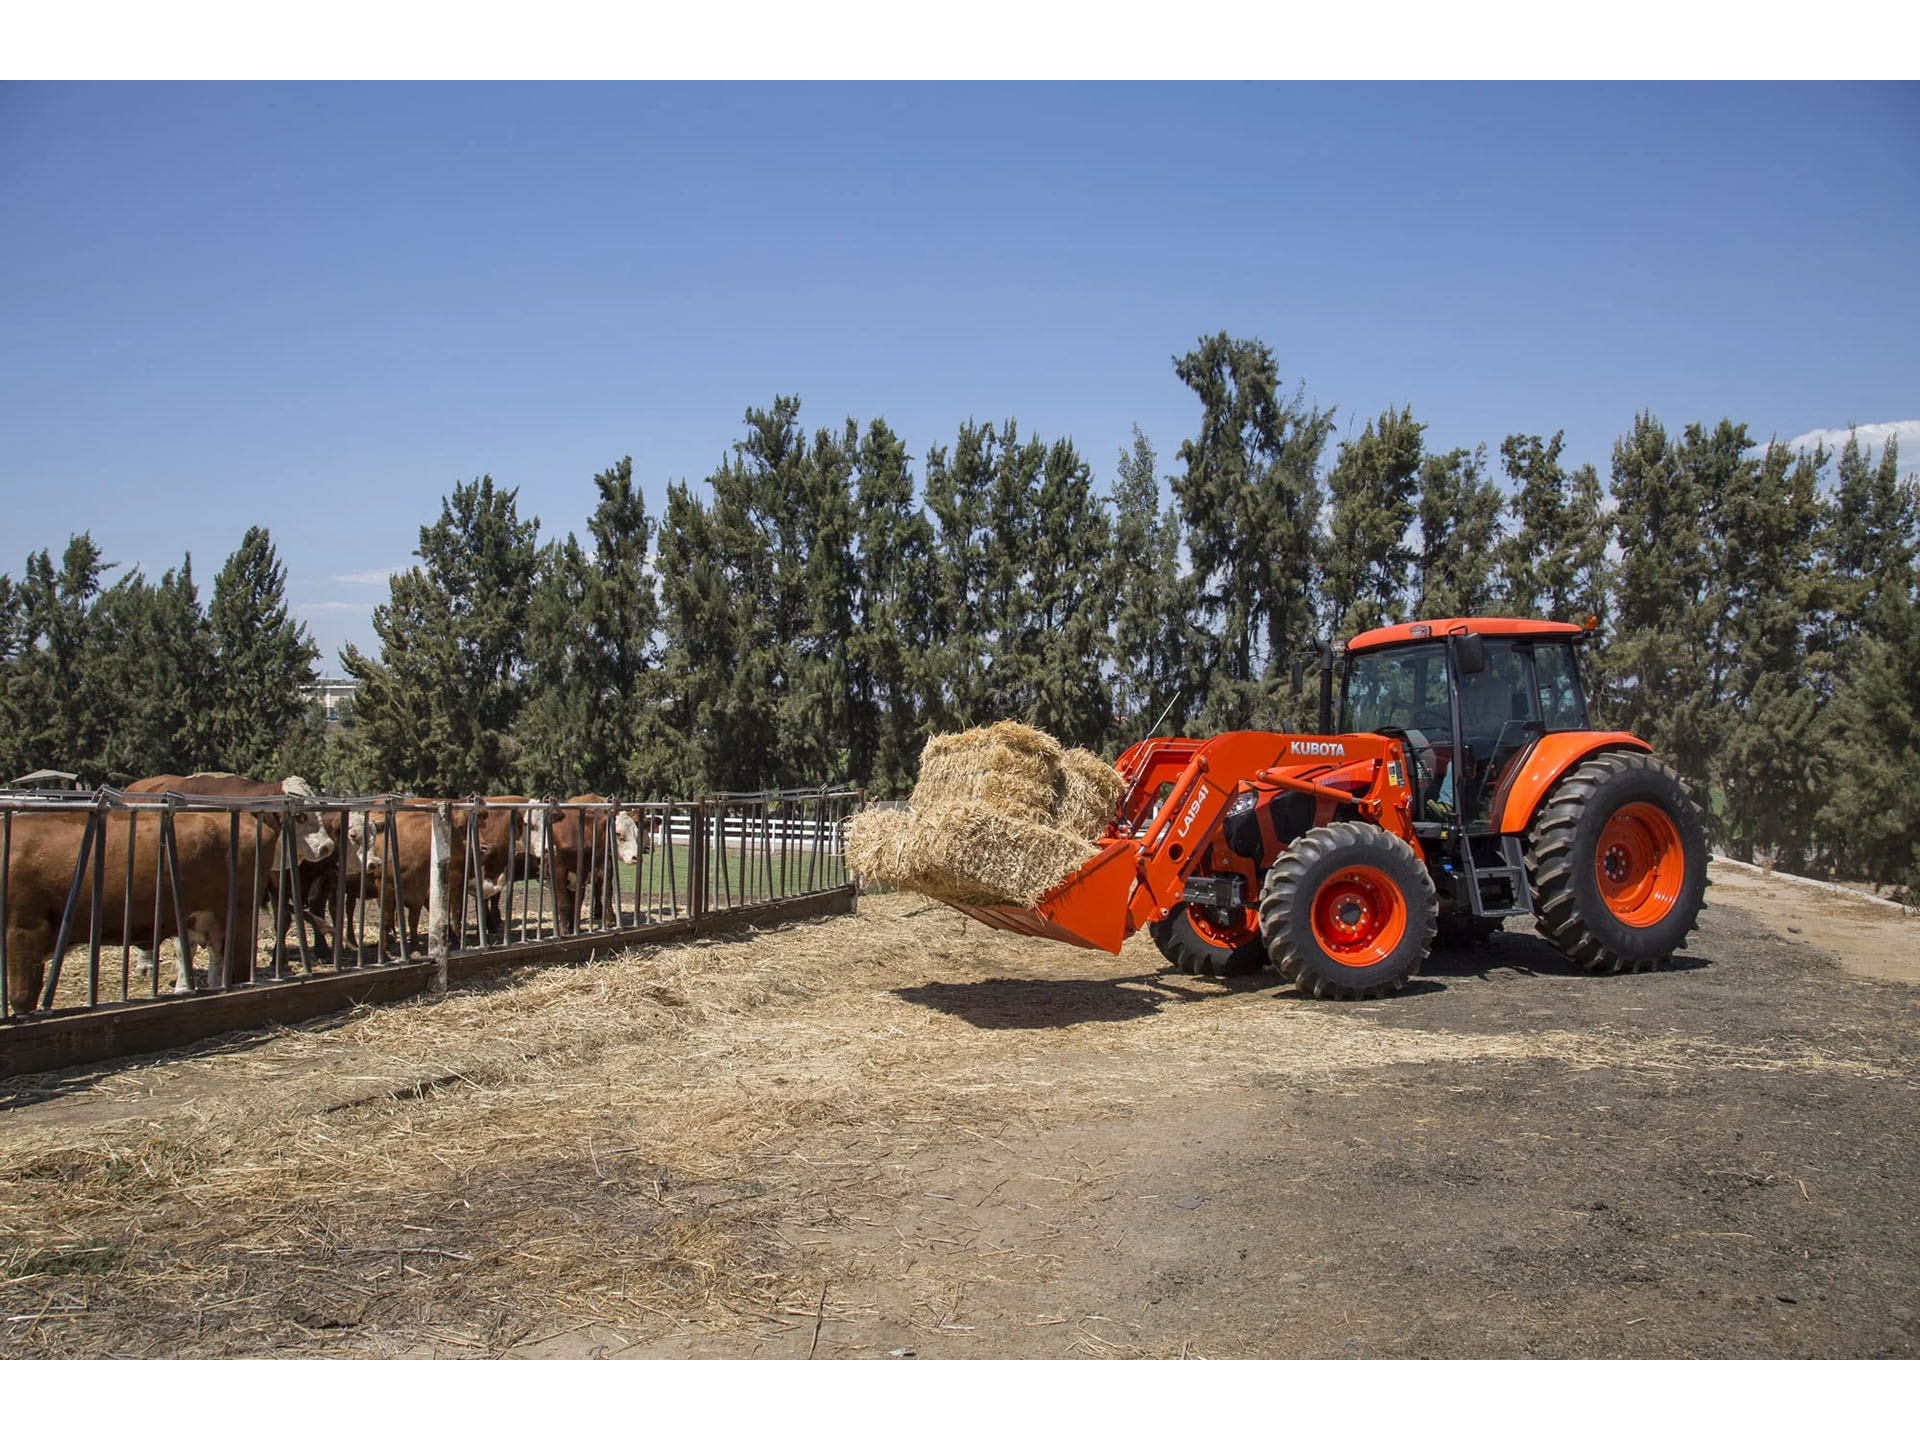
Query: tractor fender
1540, 769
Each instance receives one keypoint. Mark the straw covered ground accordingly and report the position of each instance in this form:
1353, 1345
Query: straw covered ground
897, 1132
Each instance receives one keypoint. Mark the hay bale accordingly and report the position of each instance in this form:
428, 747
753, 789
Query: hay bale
1006, 767
966, 853
1091, 789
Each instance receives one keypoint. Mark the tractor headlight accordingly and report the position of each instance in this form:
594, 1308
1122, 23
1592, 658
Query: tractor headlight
1241, 804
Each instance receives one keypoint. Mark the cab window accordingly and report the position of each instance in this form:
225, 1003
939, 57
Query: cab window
1562, 706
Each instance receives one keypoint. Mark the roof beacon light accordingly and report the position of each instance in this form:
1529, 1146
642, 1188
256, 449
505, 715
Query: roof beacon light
1592, 622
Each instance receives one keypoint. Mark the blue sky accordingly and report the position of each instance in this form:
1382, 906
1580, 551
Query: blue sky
318, 307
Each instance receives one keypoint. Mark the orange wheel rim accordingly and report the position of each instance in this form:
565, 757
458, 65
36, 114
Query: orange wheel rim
1359, 916
1227, 937
1639, 864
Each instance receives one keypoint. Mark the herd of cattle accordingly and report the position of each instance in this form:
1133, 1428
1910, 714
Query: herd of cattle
382, 858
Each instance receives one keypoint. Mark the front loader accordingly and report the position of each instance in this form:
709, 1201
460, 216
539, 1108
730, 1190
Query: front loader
1463, 786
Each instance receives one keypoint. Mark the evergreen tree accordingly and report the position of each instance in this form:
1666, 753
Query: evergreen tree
1869, 819
590, 648
58, 705
1072, 603
1152, 644
1008, 618
151, 647
262, 658
820, 575
1459, 510
1249, 494
1369, 564
888, 649
1769, 520
437, 709
958, 495
1553, 564
1661, 665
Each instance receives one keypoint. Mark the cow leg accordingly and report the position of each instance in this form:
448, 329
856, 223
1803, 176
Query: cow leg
28, 945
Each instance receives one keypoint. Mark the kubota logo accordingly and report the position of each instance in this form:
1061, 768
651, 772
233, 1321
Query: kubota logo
1319, 747
1186, 822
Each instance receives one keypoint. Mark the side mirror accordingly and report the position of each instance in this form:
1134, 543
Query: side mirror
1299, 675
1470, 653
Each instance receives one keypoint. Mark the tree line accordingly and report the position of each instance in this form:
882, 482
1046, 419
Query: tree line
820, 605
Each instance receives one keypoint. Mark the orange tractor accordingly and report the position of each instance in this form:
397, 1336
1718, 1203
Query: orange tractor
1462, 786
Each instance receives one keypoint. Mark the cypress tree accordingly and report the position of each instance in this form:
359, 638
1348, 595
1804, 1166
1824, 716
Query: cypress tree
888, 650
1072, 602
958, 492
437, 709
590, 645
1459, 511
262, 658
1249, 494
1553, 564
1152, 640
1372, 485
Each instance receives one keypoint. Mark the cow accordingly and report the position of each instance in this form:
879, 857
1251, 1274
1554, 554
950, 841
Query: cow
410, 832
315, 845
501, 834
45, 848
578, 847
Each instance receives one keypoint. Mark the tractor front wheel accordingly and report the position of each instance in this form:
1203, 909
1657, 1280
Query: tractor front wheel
1193, 943
1617, 858
1347, 912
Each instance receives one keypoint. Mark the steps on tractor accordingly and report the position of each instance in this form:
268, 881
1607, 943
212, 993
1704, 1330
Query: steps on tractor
1496, 885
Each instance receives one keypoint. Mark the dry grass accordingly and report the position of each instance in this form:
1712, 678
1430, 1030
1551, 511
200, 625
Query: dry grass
1001, 814
666, 1143
964, 853
1009, 768
1091, 789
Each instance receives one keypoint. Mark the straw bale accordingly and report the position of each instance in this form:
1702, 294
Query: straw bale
966, 853
1091, 791
1006, 767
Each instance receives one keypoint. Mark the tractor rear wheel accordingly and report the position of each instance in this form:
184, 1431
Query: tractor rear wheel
1193, 943
1617, 858
1347, 912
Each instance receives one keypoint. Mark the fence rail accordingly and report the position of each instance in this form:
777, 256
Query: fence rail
101, 892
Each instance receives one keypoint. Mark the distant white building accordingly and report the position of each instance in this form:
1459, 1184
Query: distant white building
330, 690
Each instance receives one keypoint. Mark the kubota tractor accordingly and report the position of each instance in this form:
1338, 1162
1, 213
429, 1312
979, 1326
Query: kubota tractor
1461, 785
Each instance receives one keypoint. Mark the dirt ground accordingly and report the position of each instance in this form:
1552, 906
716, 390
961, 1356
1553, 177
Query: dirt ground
898, 1134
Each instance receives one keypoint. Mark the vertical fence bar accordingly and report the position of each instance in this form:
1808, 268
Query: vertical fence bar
126, 911
66, 913
182, 945
439, 873
6, 884
97, 911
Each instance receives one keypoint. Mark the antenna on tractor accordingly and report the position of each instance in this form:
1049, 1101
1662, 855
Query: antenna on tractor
1163, 715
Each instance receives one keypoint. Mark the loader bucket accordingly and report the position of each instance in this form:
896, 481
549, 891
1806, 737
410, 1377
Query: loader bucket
1088, 908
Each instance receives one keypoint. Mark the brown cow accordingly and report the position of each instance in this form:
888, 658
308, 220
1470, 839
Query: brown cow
582, 855
40, 868
314, 846
502, 837
411, 833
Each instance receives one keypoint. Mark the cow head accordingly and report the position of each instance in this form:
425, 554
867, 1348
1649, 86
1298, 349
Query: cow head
539, 820
312, 841
634, 837
362, 834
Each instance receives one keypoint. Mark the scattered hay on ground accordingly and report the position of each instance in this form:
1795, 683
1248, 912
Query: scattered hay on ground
1091, 789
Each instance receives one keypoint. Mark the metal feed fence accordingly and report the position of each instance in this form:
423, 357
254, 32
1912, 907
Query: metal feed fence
100, 893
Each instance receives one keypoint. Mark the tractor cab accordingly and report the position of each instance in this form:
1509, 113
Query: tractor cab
1468, 699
